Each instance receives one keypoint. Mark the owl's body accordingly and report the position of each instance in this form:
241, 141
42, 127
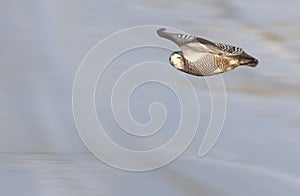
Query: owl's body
202, 57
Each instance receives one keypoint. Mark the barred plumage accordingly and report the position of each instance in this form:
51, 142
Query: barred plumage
230, 50
202, 57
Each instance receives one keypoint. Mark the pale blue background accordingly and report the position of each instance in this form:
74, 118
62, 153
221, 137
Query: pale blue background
42, 45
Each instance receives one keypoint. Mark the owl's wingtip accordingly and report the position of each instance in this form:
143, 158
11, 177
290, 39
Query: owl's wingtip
161, 32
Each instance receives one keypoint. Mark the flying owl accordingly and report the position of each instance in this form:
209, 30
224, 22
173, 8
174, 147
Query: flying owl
201, 57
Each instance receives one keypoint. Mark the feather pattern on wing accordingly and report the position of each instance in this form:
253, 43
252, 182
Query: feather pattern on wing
189, 43
230, 50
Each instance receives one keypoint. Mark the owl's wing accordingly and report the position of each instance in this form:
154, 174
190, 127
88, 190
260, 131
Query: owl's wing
195, 48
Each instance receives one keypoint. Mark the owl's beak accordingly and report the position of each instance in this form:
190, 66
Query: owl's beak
247, 60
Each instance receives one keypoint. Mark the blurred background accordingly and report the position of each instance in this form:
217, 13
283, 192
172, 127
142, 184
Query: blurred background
42, 45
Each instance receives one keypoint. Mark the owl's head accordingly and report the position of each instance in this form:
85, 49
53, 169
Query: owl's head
176, 60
